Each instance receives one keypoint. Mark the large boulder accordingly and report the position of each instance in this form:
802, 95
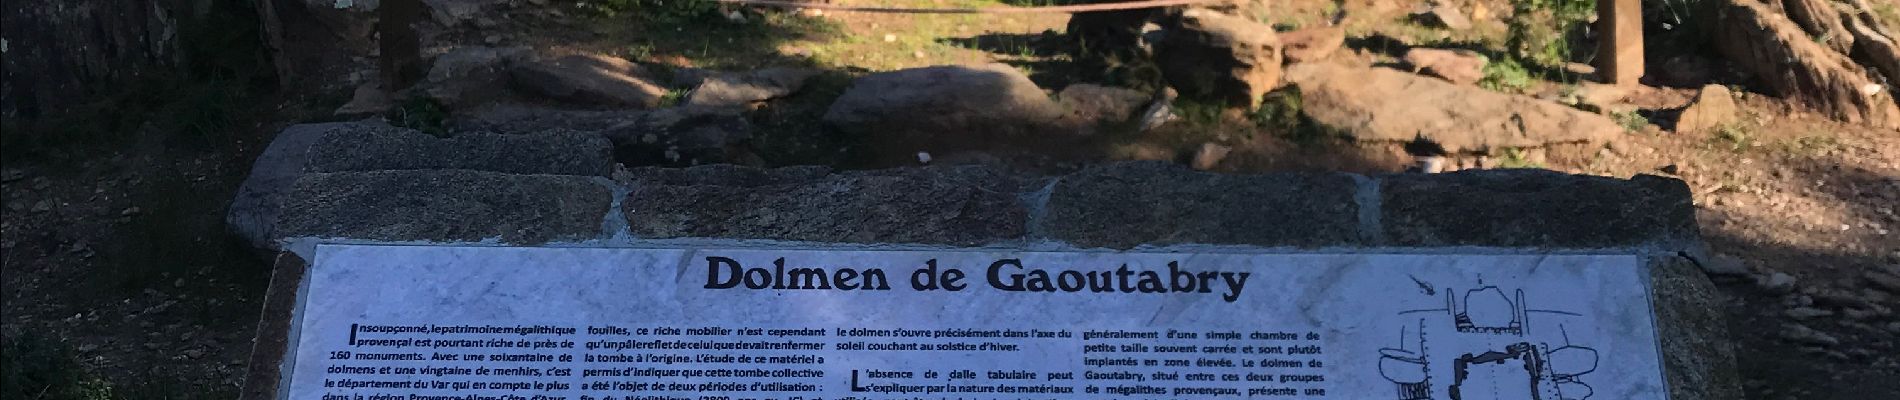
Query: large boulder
945, 106
1216, 57
1789, 63
470, 76
1385, 105
588, 79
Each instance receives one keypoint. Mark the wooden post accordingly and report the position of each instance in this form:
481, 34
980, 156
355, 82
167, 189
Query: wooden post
1620, 47
401, 58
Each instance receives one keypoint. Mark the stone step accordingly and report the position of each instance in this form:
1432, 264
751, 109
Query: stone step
444, 206
371, 146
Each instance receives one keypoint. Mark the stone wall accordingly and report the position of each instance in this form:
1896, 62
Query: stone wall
1147, 206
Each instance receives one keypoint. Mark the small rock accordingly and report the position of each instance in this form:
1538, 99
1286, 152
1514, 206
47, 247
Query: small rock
1671, 169
369, 99
88, 348
917, 54
1805, 313
1778, 283
1723, 264
1712, 108
150, 346
179, 283
1893, 327
1210, 155
43, 205
889, 38
130, 211
738, 90
1444, 17
194, 353
492, 40
1803, 334
1462, 67
12, 174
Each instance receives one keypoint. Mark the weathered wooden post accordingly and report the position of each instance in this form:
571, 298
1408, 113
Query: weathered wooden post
1620, 52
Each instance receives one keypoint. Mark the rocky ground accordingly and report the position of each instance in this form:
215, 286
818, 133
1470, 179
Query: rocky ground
122, 258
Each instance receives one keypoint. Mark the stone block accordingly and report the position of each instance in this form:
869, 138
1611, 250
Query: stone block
963, 206
388, 148
1128, 204
1534, 208
445, 206
1697, 353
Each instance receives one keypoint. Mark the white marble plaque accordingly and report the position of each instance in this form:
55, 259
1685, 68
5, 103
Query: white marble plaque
428, 322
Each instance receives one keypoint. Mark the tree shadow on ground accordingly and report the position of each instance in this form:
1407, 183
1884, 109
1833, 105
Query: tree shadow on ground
1044, 57
1395, 48
1771, 365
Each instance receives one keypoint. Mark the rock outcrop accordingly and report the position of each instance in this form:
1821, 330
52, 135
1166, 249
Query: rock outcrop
1219, 58
1789, 63
588, 80
1385, 105
945, 106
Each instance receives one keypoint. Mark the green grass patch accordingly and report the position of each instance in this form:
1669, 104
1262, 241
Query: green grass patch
1517, 158
1506, 75
1733, 138
1630, 120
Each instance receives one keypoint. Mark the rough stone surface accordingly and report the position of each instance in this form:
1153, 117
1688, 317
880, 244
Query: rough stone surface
1712, 107
1789, 63
1822, 22
470, 76
739, 90
1312, 44
445, 206
588, 79
1462, 67
1385, 105
1128, 204
1211, 56
1534, 208
1697, 353
254, 210
1091, 104
940, 205
945, 106
1876, 45
388, 148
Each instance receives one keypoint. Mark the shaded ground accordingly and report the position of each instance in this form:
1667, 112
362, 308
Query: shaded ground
119, 256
